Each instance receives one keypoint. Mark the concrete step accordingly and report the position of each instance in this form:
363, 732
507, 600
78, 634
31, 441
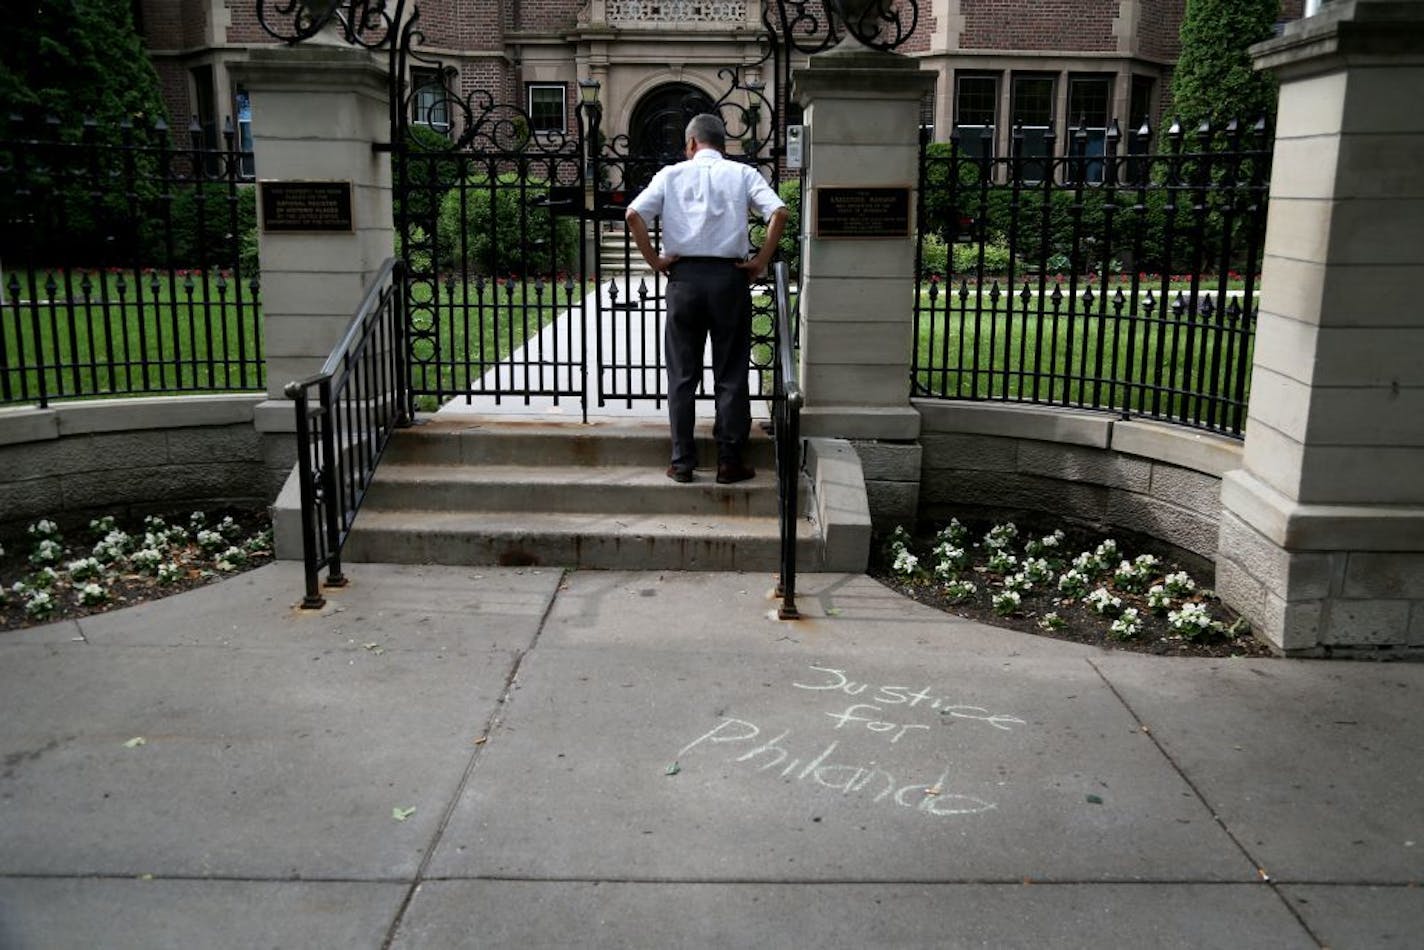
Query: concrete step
659, 541
597, 444
606, 489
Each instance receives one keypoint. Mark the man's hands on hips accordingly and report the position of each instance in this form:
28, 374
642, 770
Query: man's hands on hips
753, 267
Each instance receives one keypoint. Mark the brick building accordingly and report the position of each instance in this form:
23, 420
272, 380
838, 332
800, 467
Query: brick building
1048, 64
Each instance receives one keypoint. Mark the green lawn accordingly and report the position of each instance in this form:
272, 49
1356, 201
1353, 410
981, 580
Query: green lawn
460, 330
1183, 368
85, 334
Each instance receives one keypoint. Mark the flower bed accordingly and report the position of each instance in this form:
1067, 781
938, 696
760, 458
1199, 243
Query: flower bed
52, 574
1069, 585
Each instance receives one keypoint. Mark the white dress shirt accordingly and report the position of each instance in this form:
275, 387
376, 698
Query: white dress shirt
704, 202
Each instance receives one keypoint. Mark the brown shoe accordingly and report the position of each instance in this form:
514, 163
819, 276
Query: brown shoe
683, 475
730, 472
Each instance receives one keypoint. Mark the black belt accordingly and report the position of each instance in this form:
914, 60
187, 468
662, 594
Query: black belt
692, 259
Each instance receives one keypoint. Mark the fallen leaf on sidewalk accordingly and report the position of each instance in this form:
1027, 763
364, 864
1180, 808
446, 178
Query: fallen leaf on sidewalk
375, 648
933, 790
481, 740
673, 769
401, 814
1094, 800
834, 611
135, 742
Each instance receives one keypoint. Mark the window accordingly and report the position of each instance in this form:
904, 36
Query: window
1088, 103
242, 103
429, 103
976, 102
547, 104
1032, 109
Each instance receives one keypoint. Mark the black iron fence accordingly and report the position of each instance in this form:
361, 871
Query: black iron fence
345, 416
1094, 276
129, 261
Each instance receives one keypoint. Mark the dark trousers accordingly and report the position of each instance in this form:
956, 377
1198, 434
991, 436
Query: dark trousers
708, 297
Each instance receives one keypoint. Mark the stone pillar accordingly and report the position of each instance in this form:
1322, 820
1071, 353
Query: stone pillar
862, 111
317, 110
1322, 532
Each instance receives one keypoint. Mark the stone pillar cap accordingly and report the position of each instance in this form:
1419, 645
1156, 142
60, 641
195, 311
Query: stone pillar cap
1353, 31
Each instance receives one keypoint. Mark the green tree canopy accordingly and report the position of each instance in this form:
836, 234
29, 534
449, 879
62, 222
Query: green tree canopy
1214, 79
70, 58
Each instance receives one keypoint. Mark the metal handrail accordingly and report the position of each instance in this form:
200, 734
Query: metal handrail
786, 429
362, 396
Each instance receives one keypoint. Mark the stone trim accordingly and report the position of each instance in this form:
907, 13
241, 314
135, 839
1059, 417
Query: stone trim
136, 455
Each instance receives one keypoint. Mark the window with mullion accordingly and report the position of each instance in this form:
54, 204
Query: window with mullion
1032, 108
1088, 103
976, 106
547, 104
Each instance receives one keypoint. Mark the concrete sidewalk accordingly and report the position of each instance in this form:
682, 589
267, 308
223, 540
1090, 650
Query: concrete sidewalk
644, 760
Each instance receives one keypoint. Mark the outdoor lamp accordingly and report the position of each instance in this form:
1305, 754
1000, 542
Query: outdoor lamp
588, 91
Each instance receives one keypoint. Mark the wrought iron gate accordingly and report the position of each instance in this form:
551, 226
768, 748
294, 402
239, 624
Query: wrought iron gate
510, 289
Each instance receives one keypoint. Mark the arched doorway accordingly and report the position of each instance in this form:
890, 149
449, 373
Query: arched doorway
660, 118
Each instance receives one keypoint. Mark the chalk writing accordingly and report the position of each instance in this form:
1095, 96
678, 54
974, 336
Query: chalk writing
873, 723
904, 695
869, 780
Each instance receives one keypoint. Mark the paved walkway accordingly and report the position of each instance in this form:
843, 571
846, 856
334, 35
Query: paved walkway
462, 757
629, 344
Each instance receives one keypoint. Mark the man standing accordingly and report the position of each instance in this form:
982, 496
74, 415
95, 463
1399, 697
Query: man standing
704, 203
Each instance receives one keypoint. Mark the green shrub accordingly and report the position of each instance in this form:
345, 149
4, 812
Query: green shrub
996, 259
790, 243
208, 222
500, 227
423, 173
934, 255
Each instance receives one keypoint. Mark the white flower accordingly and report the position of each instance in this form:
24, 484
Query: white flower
168, 573
229, 528
92, 594
1052, 621
43, 579
905, 562
958, 591
1192, 619
953, 533
47, 551
1126, 626
44, 528
1037, 570
1001, 562
84, 568
39, 604
1018, 583
1179, 583
146, 559
1073, 582
210, 541
1158, 599
1007, 602
1103, 602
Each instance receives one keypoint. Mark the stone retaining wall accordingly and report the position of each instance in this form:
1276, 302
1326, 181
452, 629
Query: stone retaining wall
118, 456
1158, 480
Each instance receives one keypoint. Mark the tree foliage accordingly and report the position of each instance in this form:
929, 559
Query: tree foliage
69, 58
1213, 79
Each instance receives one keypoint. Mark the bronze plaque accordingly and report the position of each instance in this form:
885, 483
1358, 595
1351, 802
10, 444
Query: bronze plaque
306, 206
862, 212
